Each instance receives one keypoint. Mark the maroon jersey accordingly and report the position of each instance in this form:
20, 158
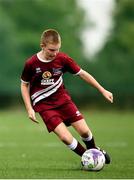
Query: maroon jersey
45, 78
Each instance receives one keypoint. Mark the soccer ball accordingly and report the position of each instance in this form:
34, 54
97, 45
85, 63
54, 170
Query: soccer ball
93, 160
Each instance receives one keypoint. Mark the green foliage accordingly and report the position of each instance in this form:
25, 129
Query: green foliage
115, 63
8, 55
33, 16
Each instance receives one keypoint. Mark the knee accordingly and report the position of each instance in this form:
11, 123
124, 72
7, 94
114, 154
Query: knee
63, 138
86, 133
66, 139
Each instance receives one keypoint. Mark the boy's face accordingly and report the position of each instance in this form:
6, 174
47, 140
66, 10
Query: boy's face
51, 50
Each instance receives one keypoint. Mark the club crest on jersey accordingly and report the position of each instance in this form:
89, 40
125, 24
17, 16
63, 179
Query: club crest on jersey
46, 75
46, 78
57, 71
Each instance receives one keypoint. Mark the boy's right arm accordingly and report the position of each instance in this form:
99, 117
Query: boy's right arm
27, 101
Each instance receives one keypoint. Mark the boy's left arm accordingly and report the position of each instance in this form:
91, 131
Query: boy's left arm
91, 80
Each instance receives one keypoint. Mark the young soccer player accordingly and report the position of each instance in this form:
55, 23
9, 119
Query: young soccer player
43, 91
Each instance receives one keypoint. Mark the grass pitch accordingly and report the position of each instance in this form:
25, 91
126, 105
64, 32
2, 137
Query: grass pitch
27, 150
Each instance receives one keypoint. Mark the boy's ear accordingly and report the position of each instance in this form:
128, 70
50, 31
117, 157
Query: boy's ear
42, 45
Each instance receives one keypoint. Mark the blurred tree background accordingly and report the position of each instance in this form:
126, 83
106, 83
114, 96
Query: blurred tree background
22, 22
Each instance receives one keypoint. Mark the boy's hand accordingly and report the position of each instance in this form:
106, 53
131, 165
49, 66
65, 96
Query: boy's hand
108, 95
31, 114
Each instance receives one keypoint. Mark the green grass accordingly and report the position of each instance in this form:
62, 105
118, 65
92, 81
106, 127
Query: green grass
27, 150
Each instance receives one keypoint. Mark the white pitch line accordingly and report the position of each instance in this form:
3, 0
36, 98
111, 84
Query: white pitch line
117, 144
15, 144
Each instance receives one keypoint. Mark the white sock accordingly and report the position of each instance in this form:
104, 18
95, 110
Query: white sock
73, 145
87, 138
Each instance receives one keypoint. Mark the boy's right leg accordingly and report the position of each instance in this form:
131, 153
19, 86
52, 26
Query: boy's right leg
54, 123
86, 134
84, 131
66, 137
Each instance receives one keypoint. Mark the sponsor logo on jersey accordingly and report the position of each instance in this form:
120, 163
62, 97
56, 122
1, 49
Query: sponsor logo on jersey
47, 81
46, 78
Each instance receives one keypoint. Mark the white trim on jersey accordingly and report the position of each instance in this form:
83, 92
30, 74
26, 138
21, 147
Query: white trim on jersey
25, 82
43, 60
36, 97
78, 72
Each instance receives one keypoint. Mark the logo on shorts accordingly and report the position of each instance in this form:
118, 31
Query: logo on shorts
46, 75
78, 113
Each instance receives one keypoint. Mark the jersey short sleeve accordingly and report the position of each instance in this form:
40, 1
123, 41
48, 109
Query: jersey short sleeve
26, 73
71, 66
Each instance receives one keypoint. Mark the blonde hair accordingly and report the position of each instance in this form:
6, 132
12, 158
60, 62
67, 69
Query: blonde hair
50, 36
